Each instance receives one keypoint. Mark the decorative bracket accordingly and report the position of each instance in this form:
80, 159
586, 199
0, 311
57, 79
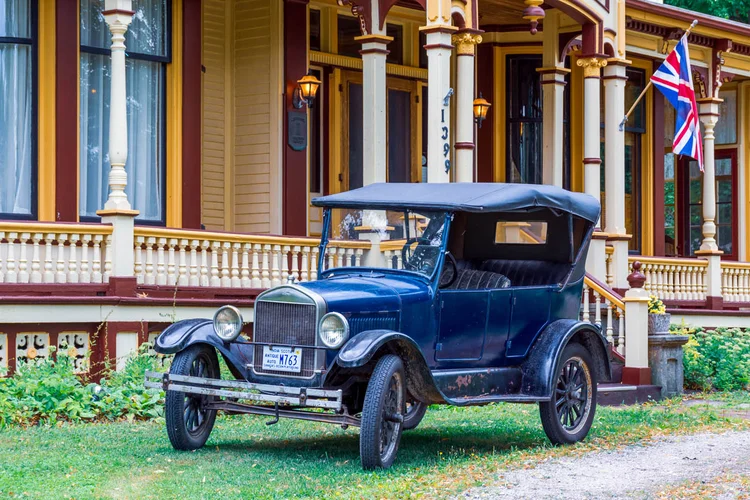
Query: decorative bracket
361, 10
700, 82
721, 47
447, 98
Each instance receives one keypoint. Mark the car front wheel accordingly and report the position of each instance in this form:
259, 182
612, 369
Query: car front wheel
383, 414
189, 423
568, 416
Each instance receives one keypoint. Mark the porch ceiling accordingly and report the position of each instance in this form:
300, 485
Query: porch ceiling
501, 12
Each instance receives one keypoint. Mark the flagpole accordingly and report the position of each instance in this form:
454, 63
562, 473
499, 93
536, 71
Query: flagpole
648, 86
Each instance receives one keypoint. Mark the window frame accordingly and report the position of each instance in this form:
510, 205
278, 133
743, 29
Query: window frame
34, 176
164, 60
510, 122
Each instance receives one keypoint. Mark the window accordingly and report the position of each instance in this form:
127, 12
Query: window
147, 45
17, 110
726, 128
524, 125
316, 138
349, 29
521, 233
314, 29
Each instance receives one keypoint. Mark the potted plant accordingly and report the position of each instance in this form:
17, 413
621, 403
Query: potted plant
658, 318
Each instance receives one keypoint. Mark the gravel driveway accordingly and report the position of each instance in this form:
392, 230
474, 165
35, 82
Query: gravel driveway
638, 471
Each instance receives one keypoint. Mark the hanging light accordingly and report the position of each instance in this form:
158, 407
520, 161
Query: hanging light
307, 88
481, 106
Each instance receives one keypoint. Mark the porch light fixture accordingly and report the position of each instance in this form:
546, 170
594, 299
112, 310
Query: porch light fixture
481, 106
307, 88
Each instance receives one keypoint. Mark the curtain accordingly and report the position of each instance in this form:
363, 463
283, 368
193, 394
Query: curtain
15, 110
145, 110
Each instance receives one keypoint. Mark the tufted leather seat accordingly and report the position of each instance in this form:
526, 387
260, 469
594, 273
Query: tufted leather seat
472, 279
528, 272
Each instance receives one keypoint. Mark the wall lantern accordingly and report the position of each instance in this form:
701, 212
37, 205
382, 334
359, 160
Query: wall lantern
481, 106
307, 87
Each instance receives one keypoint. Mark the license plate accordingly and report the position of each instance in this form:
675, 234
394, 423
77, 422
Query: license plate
282, 359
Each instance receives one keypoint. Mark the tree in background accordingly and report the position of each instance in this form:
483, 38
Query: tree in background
736, 10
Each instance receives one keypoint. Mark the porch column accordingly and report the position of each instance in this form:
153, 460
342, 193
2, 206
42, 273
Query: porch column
596, 260
709, 116
614, 161
465, 41
439, 50
117, 210
553, 73
374, 51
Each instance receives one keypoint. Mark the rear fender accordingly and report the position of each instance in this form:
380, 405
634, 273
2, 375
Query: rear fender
542, 365
373, 344
179, 336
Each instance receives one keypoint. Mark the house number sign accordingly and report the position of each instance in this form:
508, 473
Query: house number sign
444, 136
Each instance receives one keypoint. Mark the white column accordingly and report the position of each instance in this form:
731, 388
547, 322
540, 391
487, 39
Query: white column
439, 50
636, 329
709, 116
596, 260
614, 164
553, 73
374, 107
117, 210
465, 43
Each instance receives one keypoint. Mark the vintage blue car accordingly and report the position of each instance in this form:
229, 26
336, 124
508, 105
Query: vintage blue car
479, 303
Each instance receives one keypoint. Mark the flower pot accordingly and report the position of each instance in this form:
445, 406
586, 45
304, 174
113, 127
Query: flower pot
658, 324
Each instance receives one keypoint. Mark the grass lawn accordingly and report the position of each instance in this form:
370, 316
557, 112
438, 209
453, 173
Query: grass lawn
453, 449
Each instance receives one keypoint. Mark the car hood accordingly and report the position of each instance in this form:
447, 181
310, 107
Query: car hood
370, 292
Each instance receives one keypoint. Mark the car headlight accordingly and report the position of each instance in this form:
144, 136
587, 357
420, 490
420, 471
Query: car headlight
334, 330
228, 323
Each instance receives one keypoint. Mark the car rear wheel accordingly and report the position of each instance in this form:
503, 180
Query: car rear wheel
414, 413
568, 416
189, 423
383, 414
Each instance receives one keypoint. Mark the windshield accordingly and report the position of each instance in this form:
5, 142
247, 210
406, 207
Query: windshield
386, 239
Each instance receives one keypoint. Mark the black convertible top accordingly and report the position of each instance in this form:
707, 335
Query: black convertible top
464, 197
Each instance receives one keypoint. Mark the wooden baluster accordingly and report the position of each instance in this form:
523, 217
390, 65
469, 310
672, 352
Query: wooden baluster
610, 327
85, 265
49, 276
161, 264
215, 280
358, 257
11, 275
745, 291
314, 263
102, 270
669, 292
204, 280
265, 270
399, 260
275, 268
150, 277
295, 262
236, 282
305, 264
388, 254
73, 259
660, 280
256, 282
2, 273
341, 258
182, 279
586, 311
646, 270
680, 276
597, 309
171, 262
245, 273
194, 279
138, 260
60, 275
23, 262
621, 333
736, 284
36, 266
331, 252
692, 284
285, 255
725, 284
226, 280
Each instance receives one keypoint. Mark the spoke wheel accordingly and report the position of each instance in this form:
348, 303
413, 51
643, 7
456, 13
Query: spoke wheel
568, 416
383, 414
415, 411
189, 423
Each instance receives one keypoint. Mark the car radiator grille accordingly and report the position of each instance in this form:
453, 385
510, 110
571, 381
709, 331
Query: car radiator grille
285, 323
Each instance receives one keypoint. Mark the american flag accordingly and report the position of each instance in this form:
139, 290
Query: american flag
674, 79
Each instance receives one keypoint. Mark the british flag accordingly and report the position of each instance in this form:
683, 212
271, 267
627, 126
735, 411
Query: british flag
675, 80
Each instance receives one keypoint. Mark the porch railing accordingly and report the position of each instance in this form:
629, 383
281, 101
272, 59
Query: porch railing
735, 281
673, 278
32, 252
598, 296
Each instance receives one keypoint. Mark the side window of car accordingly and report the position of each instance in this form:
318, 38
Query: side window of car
521, 232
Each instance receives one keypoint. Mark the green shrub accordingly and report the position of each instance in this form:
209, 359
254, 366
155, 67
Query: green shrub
717, 359
48, 391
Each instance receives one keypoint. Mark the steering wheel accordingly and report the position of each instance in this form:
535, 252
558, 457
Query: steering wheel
446, 283
408, 265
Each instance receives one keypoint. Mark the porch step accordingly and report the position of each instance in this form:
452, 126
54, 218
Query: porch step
617, 394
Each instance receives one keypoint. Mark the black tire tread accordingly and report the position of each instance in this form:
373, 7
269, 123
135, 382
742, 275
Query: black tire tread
369, 430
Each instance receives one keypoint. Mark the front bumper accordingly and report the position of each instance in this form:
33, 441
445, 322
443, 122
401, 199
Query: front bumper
278, 395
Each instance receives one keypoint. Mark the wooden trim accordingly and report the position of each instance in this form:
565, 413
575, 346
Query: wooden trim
576, 126
347, 62
46, 139
485, 135
744, 118
66, 112
174, 121
647, 166
56, 227
658, 163
191, 113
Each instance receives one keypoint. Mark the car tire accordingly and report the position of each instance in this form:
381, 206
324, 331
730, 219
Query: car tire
383, 414
568, 416
188, 423
414, 413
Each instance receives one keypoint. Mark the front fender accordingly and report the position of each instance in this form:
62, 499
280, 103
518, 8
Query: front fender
541, 367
